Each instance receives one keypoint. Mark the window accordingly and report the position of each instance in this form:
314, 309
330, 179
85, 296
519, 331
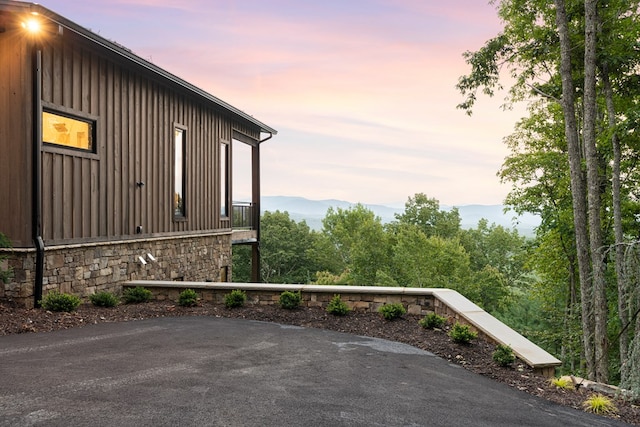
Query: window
224, 179
179, 173
67, 131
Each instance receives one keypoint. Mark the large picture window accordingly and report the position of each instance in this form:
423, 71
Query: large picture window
179, 173
67, 131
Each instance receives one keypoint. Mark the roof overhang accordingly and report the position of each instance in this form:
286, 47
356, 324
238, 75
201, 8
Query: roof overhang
34, 8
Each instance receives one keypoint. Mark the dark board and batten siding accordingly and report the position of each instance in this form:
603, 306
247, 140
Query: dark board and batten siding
90, 196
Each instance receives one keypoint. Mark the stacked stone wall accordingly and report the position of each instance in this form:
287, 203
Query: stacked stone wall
85, 269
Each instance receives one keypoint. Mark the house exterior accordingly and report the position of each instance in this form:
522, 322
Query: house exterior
111, 168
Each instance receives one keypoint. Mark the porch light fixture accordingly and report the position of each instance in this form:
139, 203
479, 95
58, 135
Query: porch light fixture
32, 25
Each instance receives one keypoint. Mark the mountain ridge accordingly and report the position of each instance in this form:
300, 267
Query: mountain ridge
313, 211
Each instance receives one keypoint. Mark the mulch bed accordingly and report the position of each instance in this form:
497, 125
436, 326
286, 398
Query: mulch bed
476, 356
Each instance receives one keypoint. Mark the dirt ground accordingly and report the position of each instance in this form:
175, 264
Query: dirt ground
476, 357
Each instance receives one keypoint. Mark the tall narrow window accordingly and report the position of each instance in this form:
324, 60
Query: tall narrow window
224, 179
179, 173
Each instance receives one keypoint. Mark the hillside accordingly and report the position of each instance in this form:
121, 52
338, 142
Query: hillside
313, 211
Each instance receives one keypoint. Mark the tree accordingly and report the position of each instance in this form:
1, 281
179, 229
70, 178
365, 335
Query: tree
422, 261
589, 36
358, 238
425, 212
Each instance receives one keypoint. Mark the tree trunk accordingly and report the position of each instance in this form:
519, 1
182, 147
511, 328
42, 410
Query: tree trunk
593, 194
577, 187
623, 313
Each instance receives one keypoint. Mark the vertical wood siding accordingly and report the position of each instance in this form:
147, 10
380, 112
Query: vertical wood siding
95, 197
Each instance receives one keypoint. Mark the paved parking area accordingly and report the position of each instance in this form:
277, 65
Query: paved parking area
204, 371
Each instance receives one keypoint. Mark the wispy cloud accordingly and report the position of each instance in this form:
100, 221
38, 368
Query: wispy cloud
362, 92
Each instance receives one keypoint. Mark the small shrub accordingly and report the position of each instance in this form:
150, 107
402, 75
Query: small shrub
462, 334
392, 311
337, 307
431, 321
290, 300
503, 355
562, 383
136, 295
599, 404
235, 298
104, 299
188, 298
58, 301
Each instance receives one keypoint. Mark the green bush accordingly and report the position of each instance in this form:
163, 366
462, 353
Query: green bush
188, 298
58, 301
392, 311
432, 320
462, 334
337, 307
503, 355
235, 298
290, 300
104, 299
136, 295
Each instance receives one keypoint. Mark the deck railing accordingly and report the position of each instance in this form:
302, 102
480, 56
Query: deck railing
242, 216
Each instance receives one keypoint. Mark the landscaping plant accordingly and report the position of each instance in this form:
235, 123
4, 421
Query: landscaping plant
392, 311
58, 301
235, 298
562, 383
188, 298
104, 299
136, 295
599, 404
337, 307
503, 355
290, 300
432, 320
462, 334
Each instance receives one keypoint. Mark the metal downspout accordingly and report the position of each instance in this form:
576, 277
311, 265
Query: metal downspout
37, 174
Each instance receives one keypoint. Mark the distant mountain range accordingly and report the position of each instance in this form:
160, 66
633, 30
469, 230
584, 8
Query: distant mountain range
313, 211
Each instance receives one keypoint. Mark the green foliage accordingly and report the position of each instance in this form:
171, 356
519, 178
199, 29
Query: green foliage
425, 213
503, 355
235, 298
359, 242
58, 301
290, 300
432, 320
337, 307
462, 334
562, 383
5, 272
136, 295
422, 261
392, 311
188, 298
104, 299
599, 404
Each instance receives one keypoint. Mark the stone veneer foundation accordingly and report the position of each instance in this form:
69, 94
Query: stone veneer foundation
84, 269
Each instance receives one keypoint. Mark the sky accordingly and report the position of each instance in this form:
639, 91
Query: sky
361, 92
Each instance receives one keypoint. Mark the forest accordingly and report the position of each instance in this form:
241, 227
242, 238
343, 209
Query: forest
573, 288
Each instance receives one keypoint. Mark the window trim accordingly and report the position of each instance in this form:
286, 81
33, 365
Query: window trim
73, 115
225, 157
178, 217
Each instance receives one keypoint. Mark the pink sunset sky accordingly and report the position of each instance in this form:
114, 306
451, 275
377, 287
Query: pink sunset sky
362, 92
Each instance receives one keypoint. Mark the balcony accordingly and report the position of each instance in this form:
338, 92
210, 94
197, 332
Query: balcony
242, 216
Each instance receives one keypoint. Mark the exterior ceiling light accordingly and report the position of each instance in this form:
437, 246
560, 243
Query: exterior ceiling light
32, 25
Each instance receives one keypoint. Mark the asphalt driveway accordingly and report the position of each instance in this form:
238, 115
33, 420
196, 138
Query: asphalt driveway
204, 371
